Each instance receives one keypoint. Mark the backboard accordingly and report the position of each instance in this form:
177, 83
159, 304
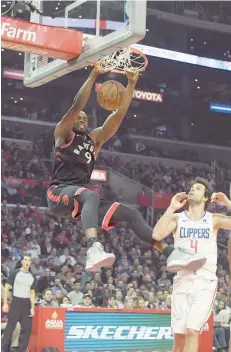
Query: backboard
107, 26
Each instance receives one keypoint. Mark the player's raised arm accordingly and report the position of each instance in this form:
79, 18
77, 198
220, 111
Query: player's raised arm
168, 222
101, 134
64, 127
221, 221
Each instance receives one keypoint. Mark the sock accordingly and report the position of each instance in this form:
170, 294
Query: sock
168, 250
91, 241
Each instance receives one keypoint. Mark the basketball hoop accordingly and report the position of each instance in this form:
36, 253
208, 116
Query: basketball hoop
129, 59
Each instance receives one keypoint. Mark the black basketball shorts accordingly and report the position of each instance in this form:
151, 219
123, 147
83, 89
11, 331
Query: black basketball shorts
63, 201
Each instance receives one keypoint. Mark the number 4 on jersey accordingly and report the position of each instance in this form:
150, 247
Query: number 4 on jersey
194, 244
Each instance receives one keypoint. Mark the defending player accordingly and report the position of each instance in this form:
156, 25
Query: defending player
75, 154
194, 230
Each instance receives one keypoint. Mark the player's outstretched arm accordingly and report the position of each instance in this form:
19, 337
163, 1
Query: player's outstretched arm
101, 134
64, 127
221, 221
168, 222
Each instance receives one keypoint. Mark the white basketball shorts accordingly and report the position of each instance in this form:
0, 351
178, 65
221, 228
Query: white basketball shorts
192, 302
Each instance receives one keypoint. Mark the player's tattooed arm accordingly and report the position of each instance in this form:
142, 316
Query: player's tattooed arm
102, 134
64, 127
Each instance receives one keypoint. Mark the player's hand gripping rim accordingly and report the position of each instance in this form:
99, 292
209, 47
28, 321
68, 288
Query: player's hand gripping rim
97, 68
132, 76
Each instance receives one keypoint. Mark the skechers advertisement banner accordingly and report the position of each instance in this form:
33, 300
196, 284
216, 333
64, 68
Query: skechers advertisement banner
117, 332
106, 330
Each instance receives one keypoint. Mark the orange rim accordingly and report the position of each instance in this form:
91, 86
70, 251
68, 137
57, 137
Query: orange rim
138, 52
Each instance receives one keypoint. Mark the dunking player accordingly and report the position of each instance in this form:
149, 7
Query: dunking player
76, 152
195, 230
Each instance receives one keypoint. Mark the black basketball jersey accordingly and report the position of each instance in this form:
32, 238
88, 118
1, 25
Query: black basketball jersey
74, 161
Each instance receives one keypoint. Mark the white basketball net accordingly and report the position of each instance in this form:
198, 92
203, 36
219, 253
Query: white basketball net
123, 60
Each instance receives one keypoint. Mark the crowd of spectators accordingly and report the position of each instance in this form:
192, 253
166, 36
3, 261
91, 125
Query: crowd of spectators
168, 180
25, 111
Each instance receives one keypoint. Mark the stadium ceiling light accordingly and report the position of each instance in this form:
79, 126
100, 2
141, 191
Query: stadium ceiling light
19, 53
192, 39
196, 80
56, 8
2, 49
198, 87
147, 30
80, 16
15, 101
134, 115
12, 98
21, 98
192, 124
205, 42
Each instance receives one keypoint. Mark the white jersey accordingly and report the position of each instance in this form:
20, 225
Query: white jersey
198, 236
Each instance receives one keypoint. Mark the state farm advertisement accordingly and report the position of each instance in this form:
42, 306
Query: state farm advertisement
141, 95
60, 43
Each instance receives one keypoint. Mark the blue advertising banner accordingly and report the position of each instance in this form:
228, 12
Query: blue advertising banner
112, 331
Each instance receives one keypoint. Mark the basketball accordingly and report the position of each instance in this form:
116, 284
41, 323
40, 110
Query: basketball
111, 95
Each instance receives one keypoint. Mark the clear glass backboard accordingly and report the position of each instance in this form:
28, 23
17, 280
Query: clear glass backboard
107, 26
